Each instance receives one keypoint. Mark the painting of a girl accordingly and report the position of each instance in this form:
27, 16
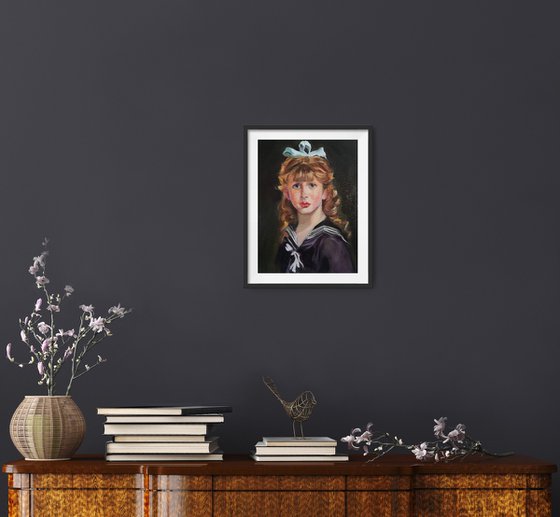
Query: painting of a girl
314, 234
307, 206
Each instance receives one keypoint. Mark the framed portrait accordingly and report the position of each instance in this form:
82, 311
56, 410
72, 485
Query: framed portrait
307, 202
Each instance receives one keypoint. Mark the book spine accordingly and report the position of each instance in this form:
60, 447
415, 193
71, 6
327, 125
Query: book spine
169, 429
296, 451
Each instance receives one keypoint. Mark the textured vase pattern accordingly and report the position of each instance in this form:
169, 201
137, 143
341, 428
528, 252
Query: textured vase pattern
47, 428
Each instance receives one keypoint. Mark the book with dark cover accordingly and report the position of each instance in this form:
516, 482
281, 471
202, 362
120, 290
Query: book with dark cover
163, 410
210, 418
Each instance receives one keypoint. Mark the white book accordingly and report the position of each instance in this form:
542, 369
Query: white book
162, 448
338, 457
265, 450
307, 441
165, 457
156, 429
163, 419
155, 438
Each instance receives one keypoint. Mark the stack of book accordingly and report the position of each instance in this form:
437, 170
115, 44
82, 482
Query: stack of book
319, 448
163, 433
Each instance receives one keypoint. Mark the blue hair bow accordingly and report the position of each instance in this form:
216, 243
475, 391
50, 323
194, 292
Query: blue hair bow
304, 150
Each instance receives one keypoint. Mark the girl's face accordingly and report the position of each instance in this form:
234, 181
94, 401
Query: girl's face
306, 196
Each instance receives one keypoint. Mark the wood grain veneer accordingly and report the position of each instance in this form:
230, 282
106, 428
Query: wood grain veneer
238, 487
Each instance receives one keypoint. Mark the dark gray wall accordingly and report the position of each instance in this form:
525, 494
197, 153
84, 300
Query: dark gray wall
121, 138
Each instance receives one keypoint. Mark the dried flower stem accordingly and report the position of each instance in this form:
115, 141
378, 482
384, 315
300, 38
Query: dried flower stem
54, 347
448, 447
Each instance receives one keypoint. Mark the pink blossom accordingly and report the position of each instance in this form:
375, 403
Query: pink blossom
53, 308
118, 311
440, 426
41, 281
421, 451
67, 353
457, 435
87, 308
38, 304
40, 259
43, 328
41, 368
23, 336
46, 344
350, 440
68, 290
97, 324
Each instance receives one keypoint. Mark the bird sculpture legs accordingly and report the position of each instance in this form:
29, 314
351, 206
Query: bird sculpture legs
300, 428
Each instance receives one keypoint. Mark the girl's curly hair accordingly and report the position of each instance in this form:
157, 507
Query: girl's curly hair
306, 168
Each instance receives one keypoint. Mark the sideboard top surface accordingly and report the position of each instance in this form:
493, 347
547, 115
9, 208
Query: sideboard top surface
242, 465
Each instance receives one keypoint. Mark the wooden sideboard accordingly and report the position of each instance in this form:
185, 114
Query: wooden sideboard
238, 487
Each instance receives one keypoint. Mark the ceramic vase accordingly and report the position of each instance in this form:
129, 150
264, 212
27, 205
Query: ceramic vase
47, 427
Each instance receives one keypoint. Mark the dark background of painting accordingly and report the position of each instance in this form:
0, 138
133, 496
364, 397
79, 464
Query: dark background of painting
121, 137
342, 156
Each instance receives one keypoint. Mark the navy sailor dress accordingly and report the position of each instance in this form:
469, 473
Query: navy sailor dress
324, 250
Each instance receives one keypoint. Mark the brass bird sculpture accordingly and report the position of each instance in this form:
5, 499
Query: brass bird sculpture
299, 410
